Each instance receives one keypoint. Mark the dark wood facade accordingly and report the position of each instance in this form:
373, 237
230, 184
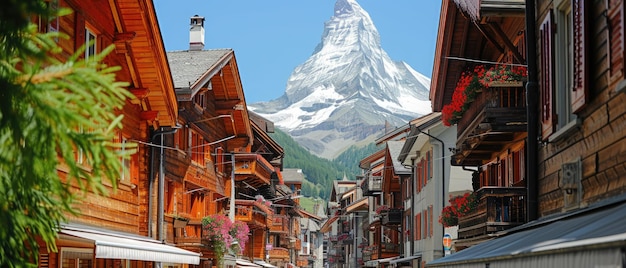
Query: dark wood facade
581, 159
491, 131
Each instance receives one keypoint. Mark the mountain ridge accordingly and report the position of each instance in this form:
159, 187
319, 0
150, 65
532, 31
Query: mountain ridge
348, 90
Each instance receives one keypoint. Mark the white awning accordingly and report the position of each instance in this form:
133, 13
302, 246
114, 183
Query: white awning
405, 259
128, 247
265, 264
246, 264
374, 263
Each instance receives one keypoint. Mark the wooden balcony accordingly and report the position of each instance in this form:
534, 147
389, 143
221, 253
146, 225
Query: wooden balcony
500, 208
490, 123
176, 164
302, 261
246, 211
372, 185
279, 253
190, 235
280, 224
253, 169
392, 216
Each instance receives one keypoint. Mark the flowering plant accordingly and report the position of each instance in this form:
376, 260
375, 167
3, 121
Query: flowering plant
381, 209
221, 233
473, 82
459, 207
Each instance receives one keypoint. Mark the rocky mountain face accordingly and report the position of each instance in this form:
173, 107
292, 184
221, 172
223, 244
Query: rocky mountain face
348, 90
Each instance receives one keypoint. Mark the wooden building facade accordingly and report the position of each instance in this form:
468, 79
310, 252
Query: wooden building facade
575, 153
478, 84
115, 230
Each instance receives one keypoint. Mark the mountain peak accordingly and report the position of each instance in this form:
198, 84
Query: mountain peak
346, 7
348, 88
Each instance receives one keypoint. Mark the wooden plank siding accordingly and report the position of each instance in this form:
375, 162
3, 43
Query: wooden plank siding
599, 140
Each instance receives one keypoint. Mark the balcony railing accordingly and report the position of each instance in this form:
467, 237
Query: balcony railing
497, 112
392, 216
280, 224
503, 108
372, 185
279, 253
500, 208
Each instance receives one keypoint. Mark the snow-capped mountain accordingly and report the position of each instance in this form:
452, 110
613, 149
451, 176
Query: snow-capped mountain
349, 88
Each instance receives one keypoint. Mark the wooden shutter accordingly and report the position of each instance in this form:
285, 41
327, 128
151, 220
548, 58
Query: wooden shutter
546, 33
579, 91
616, 37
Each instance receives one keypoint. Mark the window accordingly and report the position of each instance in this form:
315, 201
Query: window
199, 100
77, 258
564, 71
564, 67
197, 148
91, 43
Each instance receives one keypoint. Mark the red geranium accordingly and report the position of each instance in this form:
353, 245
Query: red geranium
473, 82
459, 207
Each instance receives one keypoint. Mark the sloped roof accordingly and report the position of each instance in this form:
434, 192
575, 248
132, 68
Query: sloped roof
395, 147
189, 66
293, 175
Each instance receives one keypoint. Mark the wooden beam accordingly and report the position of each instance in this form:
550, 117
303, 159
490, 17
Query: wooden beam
489, 37
507, 42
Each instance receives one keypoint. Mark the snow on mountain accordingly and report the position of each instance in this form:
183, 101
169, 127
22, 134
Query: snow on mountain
348, 89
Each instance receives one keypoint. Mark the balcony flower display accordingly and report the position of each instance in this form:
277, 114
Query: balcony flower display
473, 82
220, 232
381, 209
459, 207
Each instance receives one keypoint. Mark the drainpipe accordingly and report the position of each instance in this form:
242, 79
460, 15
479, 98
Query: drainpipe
161, 192
151, 179
532, 115
412, 205
443, 178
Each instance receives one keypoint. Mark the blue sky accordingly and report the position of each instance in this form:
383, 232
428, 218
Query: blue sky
270, 38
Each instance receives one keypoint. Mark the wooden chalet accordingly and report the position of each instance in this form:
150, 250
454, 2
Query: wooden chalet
475, 36
116, 230
224, 159
575, 142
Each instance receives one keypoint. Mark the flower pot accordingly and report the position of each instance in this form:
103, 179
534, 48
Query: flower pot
180, 223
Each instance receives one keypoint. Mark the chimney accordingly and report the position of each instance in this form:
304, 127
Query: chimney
196, 33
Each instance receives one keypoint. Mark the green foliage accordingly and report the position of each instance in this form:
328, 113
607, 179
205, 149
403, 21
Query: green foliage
49, 110
318, 171
353, 155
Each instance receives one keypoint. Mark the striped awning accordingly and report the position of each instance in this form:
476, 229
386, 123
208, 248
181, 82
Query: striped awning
114, 245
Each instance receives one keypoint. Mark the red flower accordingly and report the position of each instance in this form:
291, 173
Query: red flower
459, 207
472, 82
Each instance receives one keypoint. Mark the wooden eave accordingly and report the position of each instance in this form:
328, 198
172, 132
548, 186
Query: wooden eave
462, 40
366, 163
230, 99
264, 144
145, 53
